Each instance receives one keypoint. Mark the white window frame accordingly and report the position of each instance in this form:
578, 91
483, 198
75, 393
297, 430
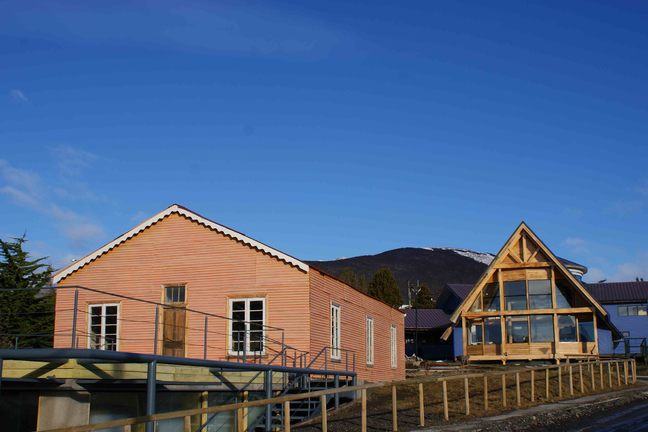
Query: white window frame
247, 301
102, 335
336, 331
369, 332
393, 336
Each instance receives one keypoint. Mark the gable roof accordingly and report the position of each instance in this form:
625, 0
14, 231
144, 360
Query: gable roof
523, 228
183, 211
619, 292
460, 290
427, 319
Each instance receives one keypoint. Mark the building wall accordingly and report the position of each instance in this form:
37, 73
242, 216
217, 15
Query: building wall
637, 326
213, 267
355, 307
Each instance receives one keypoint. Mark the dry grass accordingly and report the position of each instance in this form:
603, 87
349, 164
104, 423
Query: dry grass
379, 415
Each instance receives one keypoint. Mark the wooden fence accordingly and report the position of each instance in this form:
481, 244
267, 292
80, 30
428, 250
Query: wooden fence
618, 372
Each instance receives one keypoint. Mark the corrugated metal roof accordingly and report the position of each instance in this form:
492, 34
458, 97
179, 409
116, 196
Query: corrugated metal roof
461, 290
619, 292
427, 318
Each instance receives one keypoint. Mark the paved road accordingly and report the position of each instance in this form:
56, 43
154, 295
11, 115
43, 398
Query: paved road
633, 417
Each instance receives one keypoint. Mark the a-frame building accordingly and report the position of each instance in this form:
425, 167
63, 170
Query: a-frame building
528, 306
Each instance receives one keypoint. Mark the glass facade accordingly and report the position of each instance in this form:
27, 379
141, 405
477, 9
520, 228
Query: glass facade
542, 328
517, 329
567, 328
515, 295
539, 294
491, 297
493, 330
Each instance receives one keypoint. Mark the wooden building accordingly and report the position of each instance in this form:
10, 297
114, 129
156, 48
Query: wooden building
186, 262
528, 306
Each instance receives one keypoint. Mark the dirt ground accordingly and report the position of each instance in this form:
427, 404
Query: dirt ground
379, 400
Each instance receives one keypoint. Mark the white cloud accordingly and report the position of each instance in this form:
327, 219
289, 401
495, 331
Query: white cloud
576, 245
18, 96
629, 271
594, 275
26, 189
72, 161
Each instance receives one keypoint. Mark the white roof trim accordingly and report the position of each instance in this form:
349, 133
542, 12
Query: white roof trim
58, 276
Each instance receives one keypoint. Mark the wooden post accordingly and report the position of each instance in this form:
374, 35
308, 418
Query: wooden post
634, 371
517, 389
187, 423
286, 410
363, 399
240, 427
245, 411
445, 400
580, 376
485, 392
571, 380
421, 406
323, 410
609, 368
127, 428
504, 390
532, 385
593, 384
547, 393
394, 409
559, 382
467, 396
618, 373
625, 371
601, 375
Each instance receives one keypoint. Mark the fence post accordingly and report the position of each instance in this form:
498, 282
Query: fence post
445, 400
560, 382
151, 384
625, 371
286, 411
518, 399
634, 371
155, 334
571, 380
532, 385
421, 406
323, 411
187, 424
618, 373
336, 384
363, 400
394, 409
609, 368
504, 390
485, 392
354, 361
547, 392
601, 377
205, 341
467, 396
74, 319
593, 378
580, 375
267, 383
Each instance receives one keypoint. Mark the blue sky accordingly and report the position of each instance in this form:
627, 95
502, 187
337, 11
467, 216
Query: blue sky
330, 129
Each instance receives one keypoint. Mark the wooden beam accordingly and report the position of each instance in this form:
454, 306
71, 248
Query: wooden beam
518, 399
363, 402
323, 413
421, 406
571, 379
560, 383
187, 424
618, 374
532, 385
566, 311
286, 412
445, 400
485, 392
625, 371
601, 375
394, 409
524, 248
580, 373
609, 368
504, 390
547, 392
524, 265
467, 396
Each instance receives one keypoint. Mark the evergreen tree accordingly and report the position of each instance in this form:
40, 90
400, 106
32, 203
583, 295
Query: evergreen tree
383, 286
349, 276
423, 299
26, 315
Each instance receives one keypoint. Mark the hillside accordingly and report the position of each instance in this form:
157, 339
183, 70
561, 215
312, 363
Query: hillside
434, 266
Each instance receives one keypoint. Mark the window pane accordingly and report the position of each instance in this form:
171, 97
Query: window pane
586, 329
515, 295
517, 329
567, 328
492, 331
238, 305
256, 315
642, 310
542, 328
475, 334
256, 305
540, 294
476, 306
623, 310
491, 297
564, 297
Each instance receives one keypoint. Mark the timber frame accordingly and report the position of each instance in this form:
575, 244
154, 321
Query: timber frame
502, 319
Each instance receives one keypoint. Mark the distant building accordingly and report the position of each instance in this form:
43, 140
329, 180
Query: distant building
423, 330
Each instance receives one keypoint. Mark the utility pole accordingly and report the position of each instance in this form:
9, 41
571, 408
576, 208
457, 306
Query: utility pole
415, 290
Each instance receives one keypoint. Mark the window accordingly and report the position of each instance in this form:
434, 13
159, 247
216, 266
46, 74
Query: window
567, 328
539, 294
476, 306
542, 328
335, 332
247, 325
515, 295
517, 329
102, 331
632, 310
174, 294
564, 297
394, 347
626, 334
491, 297
370, 341
586, 328
493, 330
475, 333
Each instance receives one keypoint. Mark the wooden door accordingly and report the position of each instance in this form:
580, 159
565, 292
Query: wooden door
174, 331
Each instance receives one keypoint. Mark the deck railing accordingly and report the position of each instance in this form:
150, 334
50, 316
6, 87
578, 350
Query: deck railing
610, 369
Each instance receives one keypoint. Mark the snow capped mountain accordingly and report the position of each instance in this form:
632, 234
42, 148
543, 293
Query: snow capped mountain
481, 257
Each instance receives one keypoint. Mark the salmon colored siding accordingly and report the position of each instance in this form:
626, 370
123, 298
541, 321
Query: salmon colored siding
215, 268
212, 266
355, 307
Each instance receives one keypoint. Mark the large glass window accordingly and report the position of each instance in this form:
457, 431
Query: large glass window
564, 296
567, 328
335, 332
542, 328
517, 329
102, 334
476, 306
493, 330
475, 333
247, 325
370, 340
515, 295
174, 294
586, 328
539, 294
491, 297
393, 346
632, 310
